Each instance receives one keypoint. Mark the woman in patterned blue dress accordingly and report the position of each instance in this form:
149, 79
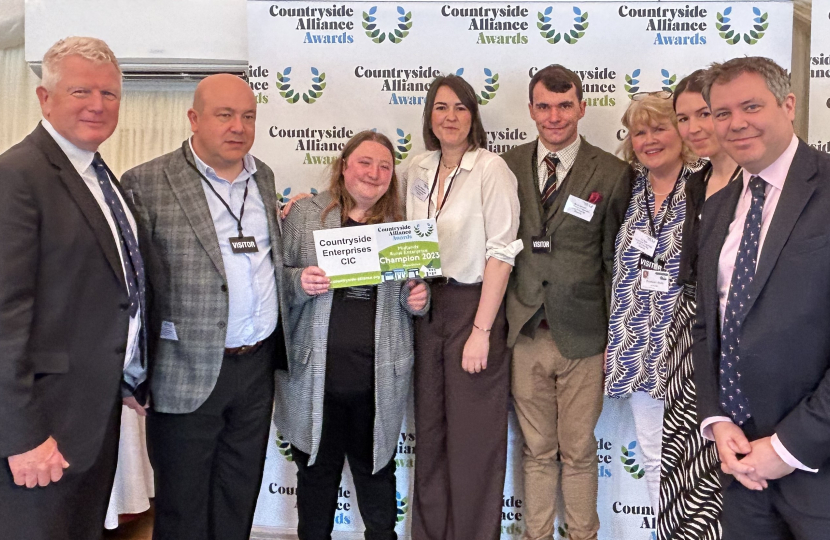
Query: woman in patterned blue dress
645, 295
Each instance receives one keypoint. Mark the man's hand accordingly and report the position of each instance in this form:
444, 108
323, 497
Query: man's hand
38, 467
417, 295
287, 208
765, 460
730, 440
132, 403
474, 358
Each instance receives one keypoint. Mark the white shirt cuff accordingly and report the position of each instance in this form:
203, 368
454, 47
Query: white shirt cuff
507, 253
788, 458
706, 426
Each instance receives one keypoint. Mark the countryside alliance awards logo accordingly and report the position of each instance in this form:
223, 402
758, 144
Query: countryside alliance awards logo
316, 146
629, 463
284, 447
547, 30
406, 86
403, 506
671, 25
493, 25
491, 86
396, 35
732, 37
319, 25
632, 81
313, 92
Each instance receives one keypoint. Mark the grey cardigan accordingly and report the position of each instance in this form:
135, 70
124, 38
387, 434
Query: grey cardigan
298, 413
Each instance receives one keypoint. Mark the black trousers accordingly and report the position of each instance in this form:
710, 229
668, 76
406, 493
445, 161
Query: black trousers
73, 508
208, 463
348, 423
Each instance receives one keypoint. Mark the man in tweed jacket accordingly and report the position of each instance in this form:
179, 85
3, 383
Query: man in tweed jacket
215, 305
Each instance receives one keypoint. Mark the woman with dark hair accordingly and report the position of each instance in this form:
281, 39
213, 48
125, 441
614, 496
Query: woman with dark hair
350, 351
689, 483
462, 368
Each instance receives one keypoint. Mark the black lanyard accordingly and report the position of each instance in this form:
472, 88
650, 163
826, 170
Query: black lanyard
656, 233
244, 197
446, 193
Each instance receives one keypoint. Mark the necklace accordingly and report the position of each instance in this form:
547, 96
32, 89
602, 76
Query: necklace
660, 194
448, 167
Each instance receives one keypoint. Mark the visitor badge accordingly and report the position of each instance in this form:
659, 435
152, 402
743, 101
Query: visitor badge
580, 208
644, 242
420, 189
243, 244
654, 280
540, 244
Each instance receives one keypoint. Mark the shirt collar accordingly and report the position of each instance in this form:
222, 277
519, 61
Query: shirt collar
566, 156
248, 166
79, 158
776, 173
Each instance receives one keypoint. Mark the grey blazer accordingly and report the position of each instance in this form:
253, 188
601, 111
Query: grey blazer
573, 281
298, 413
186, 275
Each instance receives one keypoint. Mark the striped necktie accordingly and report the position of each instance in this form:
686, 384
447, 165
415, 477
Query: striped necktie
551, 161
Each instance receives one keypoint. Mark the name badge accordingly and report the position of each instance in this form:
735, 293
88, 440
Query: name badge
245, 244
645, 243
420, 189
540, 244
580, 208
654, 280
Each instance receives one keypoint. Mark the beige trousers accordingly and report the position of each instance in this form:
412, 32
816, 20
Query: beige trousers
558, 402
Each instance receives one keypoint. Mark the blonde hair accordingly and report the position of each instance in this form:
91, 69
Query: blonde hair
647, 111
92, 49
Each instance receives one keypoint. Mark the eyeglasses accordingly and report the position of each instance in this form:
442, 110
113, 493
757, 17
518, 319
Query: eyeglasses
662, 94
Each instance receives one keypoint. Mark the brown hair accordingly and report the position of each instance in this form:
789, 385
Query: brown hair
778, 82
387, 208
692, 82
650, 110
556, 78
477, 138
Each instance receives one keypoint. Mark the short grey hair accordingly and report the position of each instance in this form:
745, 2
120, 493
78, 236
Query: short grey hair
92, 49
778, 82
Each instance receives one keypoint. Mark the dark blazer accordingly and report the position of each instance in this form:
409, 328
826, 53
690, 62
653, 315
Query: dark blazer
785, 340
573, 281
186, 276
63, 306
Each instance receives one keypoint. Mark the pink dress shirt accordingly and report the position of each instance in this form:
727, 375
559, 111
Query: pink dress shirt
774, 175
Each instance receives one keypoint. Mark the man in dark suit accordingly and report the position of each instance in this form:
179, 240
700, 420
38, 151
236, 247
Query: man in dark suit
762, 346
71, 298
210, 234
573, 199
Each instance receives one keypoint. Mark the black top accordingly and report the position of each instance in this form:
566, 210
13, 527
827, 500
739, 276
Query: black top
350, 355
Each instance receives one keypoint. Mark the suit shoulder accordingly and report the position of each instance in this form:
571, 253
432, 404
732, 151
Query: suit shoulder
519, 153
153, 169
605, 159
24, 159
262, 168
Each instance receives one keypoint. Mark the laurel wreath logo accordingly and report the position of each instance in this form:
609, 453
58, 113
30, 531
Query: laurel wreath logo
403, 147
284, 196
403, 506
284, 447
563, 530
669, 80
395, 36
730, 36
430, 228
629, 463
632, 82
491, 85
291, 96
547, 31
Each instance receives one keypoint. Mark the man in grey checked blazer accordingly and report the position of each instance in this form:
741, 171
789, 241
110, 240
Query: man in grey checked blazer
214, 332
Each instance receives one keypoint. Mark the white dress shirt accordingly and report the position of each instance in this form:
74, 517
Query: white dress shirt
774, 176
81, 160
480, 217
566, 157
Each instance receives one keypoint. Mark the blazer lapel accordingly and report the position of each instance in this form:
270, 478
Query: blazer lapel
80, 193
269, 198
577, 184
797, 190
187, 187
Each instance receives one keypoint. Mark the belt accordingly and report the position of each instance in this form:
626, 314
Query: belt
244, 349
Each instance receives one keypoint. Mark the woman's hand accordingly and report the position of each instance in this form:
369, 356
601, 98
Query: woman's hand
474, 359
287, 208
314, 281
417, 295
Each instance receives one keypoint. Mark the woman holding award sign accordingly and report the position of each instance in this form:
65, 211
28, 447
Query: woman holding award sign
350, 351
645, 297
462, 373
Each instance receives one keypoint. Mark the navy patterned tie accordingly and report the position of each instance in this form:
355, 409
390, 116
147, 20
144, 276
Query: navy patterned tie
133, 264
733, 400
551, 161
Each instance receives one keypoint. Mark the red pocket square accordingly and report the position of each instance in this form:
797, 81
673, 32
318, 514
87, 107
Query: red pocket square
595, 197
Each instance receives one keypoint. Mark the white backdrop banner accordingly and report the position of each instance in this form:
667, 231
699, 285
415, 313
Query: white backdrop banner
819, 130
323, 71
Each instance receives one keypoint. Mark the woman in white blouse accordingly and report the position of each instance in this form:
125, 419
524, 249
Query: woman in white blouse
462, 373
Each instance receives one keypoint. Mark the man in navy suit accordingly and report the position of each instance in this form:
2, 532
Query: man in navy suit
762, 345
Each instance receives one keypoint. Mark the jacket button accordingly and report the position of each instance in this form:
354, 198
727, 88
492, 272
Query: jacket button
224, 288
221, 324
544, 283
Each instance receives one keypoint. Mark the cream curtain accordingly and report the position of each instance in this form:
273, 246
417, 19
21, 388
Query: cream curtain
153, 119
